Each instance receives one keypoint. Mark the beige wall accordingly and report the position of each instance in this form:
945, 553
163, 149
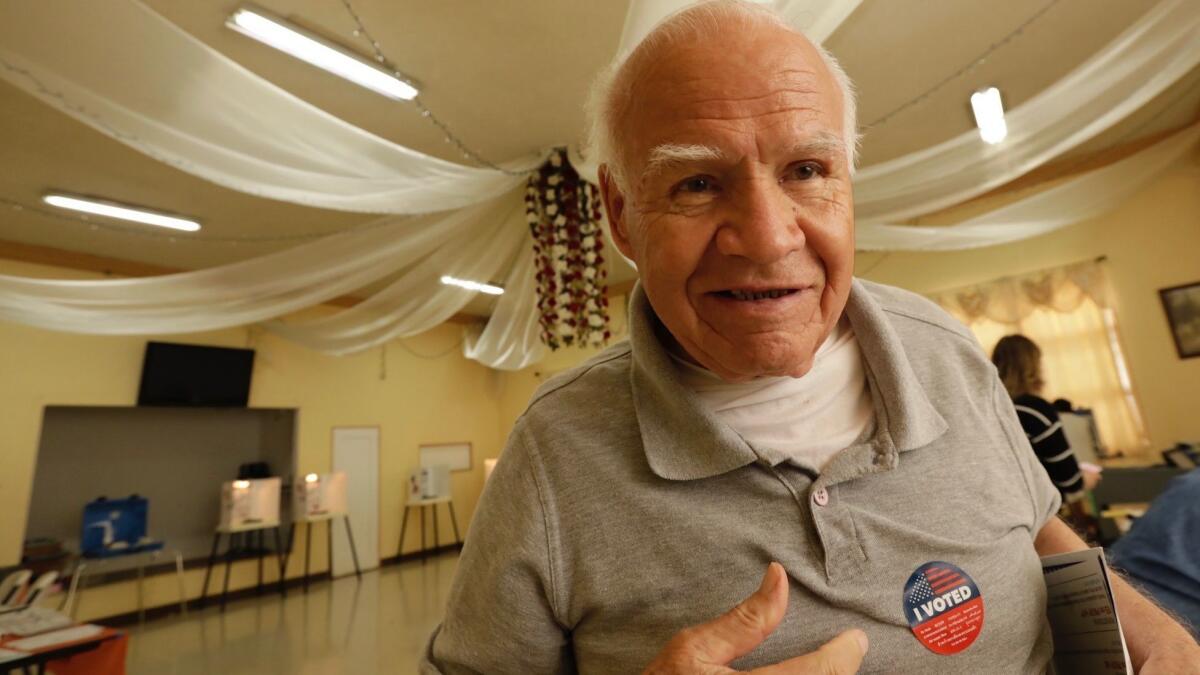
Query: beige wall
419, 401
1151, 241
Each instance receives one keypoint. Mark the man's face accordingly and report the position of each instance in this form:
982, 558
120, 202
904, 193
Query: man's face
739, 213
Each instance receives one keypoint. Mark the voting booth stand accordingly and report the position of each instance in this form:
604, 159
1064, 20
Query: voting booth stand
249, 508
428, 486
317, 499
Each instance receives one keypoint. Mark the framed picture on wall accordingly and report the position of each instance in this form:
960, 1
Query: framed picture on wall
1182, 305
454, 456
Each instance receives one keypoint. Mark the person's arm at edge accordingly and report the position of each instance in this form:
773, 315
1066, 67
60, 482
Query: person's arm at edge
1153, 637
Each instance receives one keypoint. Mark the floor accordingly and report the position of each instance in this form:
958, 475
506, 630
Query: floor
378, 625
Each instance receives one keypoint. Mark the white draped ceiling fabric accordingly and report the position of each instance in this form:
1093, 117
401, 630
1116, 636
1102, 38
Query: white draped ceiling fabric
511, 339
1122, 77
1085, 196
417, 300
150, 85
147, 83
261, 288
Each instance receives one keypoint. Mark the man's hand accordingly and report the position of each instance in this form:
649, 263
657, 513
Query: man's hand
707, 648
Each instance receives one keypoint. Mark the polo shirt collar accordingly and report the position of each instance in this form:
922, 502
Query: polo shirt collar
683, 441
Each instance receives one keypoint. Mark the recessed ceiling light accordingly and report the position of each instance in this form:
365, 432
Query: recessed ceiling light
472, 285
315, 50
989, 115
109, 209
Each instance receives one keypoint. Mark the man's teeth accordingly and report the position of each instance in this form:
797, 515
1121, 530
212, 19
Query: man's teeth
759, 295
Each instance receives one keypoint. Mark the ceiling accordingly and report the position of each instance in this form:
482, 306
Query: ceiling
509, 78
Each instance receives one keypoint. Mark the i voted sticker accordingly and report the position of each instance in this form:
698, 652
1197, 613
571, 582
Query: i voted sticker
944, 607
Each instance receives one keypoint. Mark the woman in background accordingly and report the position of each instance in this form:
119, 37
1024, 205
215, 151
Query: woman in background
1019, 361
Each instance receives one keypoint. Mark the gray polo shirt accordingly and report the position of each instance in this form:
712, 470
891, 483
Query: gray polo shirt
621, 512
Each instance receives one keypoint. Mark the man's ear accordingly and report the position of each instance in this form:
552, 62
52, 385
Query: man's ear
614, 207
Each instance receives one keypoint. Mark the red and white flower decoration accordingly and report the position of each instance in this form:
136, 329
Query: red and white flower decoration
563, 212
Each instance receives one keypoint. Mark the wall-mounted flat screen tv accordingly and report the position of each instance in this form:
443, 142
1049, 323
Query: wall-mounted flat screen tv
195, 375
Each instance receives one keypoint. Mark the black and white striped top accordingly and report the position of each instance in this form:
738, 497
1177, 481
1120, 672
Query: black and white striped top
1045, 432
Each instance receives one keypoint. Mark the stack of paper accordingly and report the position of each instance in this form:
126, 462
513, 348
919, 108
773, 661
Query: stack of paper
58, 637
1083, 615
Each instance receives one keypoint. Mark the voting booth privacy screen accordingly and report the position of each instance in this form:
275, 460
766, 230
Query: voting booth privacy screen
247, 504
318, 496
429, 482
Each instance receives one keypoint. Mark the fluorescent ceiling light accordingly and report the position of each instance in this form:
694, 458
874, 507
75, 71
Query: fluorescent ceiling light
472, 285
989, 115
313, 49
121, 211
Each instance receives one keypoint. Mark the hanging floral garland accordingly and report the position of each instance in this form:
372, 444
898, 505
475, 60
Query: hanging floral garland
563, 212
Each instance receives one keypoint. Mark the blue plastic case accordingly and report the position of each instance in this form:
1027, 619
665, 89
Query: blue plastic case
125, 517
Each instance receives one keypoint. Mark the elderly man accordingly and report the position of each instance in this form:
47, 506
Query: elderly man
769, 414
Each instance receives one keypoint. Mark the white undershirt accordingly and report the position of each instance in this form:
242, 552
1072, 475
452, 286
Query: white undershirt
811, 417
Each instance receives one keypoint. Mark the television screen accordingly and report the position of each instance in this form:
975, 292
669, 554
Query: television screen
194, 375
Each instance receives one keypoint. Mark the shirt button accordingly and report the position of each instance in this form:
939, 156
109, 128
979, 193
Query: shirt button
820, 497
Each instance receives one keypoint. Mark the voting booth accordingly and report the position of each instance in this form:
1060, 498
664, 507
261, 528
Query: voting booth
317, 495
247, 504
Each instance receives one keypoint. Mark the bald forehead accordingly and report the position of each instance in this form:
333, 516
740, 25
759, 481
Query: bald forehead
678, 90
761, 91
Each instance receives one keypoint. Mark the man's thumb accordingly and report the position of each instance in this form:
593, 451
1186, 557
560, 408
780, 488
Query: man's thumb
840, 656
742, 628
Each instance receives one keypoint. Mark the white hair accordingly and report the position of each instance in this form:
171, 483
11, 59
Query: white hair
610, 91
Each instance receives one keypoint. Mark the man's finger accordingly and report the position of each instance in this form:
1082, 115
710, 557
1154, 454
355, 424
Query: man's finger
742, 628
840, 656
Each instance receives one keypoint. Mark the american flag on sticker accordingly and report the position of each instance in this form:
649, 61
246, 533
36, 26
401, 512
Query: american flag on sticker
935, 580
942, 577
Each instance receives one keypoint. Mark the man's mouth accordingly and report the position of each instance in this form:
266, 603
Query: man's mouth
746, 294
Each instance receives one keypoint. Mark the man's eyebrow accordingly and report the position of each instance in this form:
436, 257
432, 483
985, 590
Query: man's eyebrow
819, 144
670, 154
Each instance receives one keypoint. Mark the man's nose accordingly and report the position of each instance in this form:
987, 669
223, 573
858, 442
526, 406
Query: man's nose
760, 224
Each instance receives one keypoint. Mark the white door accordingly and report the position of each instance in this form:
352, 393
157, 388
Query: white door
356, 451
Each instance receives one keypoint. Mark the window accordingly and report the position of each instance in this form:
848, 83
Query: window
1068, 313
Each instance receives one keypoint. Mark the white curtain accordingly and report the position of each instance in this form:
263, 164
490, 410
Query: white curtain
1139, 64
417, 300
131, 74
511, 339
1077, 199
1011, 300
243, 292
